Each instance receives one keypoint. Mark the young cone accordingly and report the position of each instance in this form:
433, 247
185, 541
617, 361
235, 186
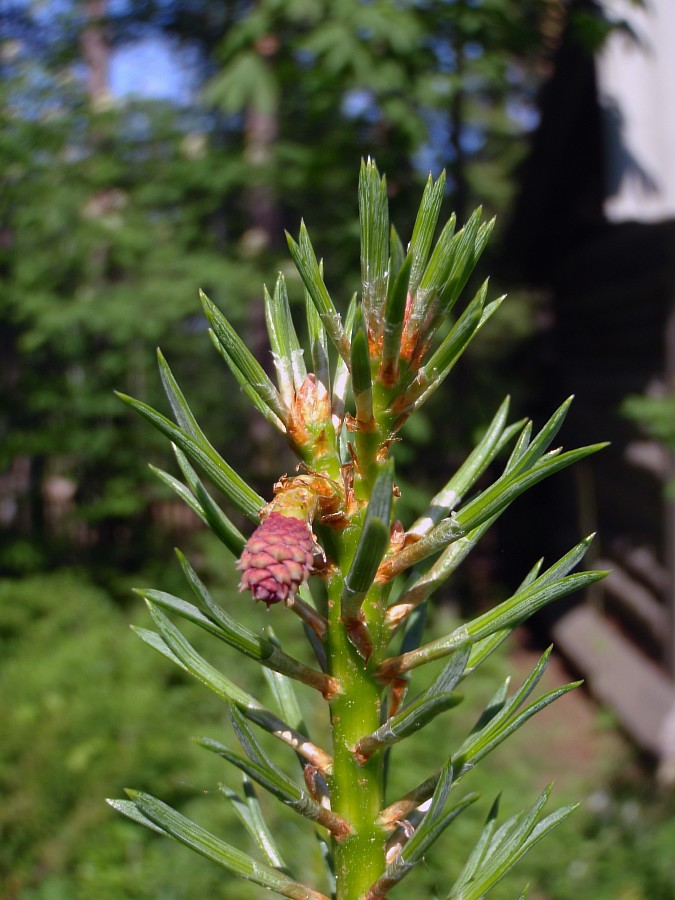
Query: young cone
277, 559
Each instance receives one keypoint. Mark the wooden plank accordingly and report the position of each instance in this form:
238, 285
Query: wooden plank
636, 600
669, 512
618, 675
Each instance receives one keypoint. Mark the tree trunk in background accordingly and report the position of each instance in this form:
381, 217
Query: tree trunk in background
95, 50
264, 233
457, 167
264, 215
265, 228
36, 497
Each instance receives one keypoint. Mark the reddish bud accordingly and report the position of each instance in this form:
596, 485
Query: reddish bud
277, 558
310, 415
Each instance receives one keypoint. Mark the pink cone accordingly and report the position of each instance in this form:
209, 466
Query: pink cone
277, 558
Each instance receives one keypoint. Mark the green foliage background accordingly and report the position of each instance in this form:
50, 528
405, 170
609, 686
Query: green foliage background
88, 709
111, 218
113, 214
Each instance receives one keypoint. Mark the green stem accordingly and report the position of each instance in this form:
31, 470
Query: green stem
368, 442
356, 791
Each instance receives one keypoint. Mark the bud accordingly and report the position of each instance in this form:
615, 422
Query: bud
277, 558
310, 417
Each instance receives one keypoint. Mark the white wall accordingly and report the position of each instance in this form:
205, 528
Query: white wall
636, 80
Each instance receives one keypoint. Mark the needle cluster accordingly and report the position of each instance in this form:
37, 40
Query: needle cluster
327, 546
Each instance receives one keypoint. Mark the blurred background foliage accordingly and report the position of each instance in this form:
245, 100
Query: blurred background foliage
87, 710
116, 206
115, 209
